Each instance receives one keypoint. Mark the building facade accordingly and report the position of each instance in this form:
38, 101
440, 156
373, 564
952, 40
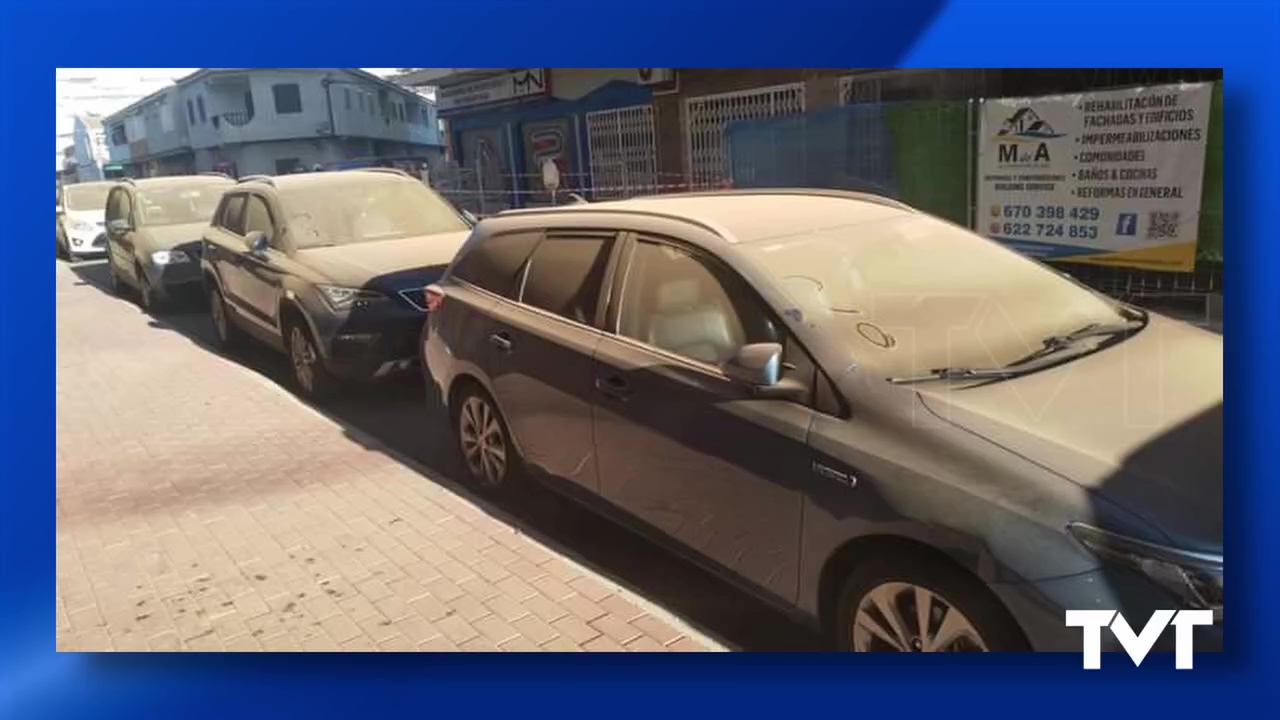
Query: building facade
89, 148
250, 121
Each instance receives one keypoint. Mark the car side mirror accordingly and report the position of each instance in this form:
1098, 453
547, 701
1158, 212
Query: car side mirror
257, 242
119, 226
759, 367
756, 365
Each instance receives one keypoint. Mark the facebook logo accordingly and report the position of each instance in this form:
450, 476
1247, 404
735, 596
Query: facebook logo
1127, 224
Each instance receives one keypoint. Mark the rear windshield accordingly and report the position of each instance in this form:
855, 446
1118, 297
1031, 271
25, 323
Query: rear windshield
365, 209
91, 196
180, 204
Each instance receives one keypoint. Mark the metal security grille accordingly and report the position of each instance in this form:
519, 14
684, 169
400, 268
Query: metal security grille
859, 91
706, 118
623, 151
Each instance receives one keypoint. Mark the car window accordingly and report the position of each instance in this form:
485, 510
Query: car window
495, 263
257, 218
565, 273
179, 203
118, 206
87, 196
232, 218
679, 301
365, 207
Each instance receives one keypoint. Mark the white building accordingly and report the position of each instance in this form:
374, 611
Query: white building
247, 121
90, 148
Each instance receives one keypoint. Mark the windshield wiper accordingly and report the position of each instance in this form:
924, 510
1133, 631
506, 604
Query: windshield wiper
958, 373
1052, 344
1055, 343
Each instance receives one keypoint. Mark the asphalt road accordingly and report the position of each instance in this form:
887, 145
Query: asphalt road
396, 413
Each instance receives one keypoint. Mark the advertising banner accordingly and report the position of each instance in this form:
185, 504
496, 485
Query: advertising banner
1108, 177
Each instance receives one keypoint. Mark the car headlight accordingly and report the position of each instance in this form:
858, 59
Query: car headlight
81, 225
341, 299
169, 257
1194, 578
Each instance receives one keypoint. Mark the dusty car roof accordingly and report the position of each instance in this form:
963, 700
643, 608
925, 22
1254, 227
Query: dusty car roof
753, 216
183, 180
335, 177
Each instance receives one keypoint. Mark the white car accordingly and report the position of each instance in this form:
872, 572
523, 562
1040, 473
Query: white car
82, 225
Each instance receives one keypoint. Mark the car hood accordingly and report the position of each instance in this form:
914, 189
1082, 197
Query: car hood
168, 237
398, 263
1139, 422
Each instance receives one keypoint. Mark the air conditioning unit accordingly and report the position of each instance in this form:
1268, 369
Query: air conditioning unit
655, 76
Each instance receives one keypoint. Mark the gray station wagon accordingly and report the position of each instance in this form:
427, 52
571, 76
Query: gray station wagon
880, 421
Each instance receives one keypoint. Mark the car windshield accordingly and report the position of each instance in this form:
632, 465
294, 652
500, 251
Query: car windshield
910, 294
89, 196
365, 207
179, 203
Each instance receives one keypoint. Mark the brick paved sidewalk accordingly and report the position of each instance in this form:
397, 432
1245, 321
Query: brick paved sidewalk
201, 507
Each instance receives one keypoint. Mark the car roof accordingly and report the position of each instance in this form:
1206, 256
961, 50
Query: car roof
175, 180
745, 216
328, 177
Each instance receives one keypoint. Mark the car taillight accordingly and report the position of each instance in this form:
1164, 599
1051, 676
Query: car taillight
434, 297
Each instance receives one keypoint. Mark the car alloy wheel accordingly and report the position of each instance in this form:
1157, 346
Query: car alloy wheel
483, 441
304, 358
903, 617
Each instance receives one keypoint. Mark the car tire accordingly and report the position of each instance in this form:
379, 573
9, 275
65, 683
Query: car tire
150, 298
878, 609
118, 286
311, 378
489, 458
225, 331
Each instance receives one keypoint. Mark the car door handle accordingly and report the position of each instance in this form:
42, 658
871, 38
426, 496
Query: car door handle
613, 387
501, 341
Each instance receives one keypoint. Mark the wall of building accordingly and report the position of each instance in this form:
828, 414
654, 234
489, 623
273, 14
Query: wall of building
371, 112
215, 117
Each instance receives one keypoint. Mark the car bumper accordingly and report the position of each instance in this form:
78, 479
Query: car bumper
91, 243
1040, 609
371, 348
176, 279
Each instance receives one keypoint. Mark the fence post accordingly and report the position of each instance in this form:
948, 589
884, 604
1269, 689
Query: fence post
971, 170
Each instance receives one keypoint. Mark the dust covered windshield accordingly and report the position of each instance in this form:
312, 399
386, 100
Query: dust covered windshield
365, 207
87, 196
911, 293
179, 203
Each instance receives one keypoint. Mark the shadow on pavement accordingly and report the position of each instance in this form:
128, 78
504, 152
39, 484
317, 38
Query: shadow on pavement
395, 413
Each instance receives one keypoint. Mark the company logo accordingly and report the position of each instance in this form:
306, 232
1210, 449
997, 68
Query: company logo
1138, 644
1022, 138
1127, 224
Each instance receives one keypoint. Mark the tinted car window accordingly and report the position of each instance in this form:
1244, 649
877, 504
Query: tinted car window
232, 214
564, 275
257, 218
118, 205
495, 263
678, 301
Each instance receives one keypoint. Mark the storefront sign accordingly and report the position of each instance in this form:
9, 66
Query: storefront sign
501, 88
1104, 177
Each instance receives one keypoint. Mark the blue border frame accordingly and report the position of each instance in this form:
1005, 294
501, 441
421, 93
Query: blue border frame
1238, 35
